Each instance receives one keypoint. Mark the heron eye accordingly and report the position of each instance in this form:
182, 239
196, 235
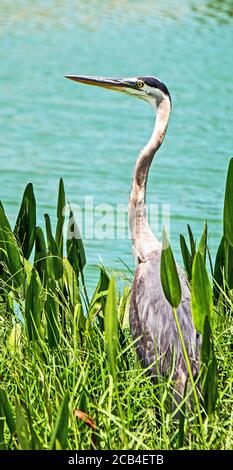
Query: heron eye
139, 84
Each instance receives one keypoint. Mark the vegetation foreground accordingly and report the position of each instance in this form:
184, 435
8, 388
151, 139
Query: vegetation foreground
69, 375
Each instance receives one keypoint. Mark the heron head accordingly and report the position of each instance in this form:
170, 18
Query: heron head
150, 89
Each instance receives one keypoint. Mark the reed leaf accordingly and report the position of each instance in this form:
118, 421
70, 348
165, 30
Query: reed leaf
7, 411
228, 206
75, 249
33, 306
40, 253
192, 241
228, 264
52, 315
60, 432
54, 262
202, 247
111, 328
25, 226
61, 203
209, 374
169, 275
22, 430
187, 258
10, 252
201, 294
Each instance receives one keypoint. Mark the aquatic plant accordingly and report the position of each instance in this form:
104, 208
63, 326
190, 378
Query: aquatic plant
69, 374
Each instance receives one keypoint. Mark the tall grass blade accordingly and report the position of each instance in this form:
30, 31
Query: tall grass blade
111, 328
22, 430
60, 432
7, 411
2, 426
209, 376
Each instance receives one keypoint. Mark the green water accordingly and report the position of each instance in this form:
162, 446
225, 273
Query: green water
51, 127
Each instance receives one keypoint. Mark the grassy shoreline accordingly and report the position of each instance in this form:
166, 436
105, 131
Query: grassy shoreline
69, 375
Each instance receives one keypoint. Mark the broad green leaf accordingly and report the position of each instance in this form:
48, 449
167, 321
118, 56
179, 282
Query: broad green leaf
206, 347
228, 206
71, 288
209, 374
123, 310
52, 315
40, 258
211, 390
9, 250
228, 263
54, 261
33, 306
169, 275
75, 249
23, 434
14, 338
79, 320
102, 286
35, 441
98, 301
187, 258
60, 432
60, 216
28, 267
25, 226
218, 270
201, 294
111, 328
202, 247
7, 410
192, 241
2, 426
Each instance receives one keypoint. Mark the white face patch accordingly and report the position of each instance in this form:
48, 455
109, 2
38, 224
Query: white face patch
152, 95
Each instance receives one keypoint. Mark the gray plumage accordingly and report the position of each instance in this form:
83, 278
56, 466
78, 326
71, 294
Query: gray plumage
152, 321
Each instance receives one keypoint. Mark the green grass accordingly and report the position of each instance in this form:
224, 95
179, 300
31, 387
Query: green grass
69, 375
38, 379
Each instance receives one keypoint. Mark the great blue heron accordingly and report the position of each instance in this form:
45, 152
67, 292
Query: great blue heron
151, 317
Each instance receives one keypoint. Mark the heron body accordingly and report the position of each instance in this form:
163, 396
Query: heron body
152, 321
151, 318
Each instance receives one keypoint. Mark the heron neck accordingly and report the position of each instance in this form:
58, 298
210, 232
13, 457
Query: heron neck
144, 241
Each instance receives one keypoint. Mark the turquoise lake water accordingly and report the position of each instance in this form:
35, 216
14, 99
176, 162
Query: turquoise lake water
51, 127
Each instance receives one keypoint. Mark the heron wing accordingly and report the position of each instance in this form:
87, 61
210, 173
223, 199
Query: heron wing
152, 321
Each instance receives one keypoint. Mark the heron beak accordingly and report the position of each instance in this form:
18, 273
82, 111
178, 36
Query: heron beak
103, 82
